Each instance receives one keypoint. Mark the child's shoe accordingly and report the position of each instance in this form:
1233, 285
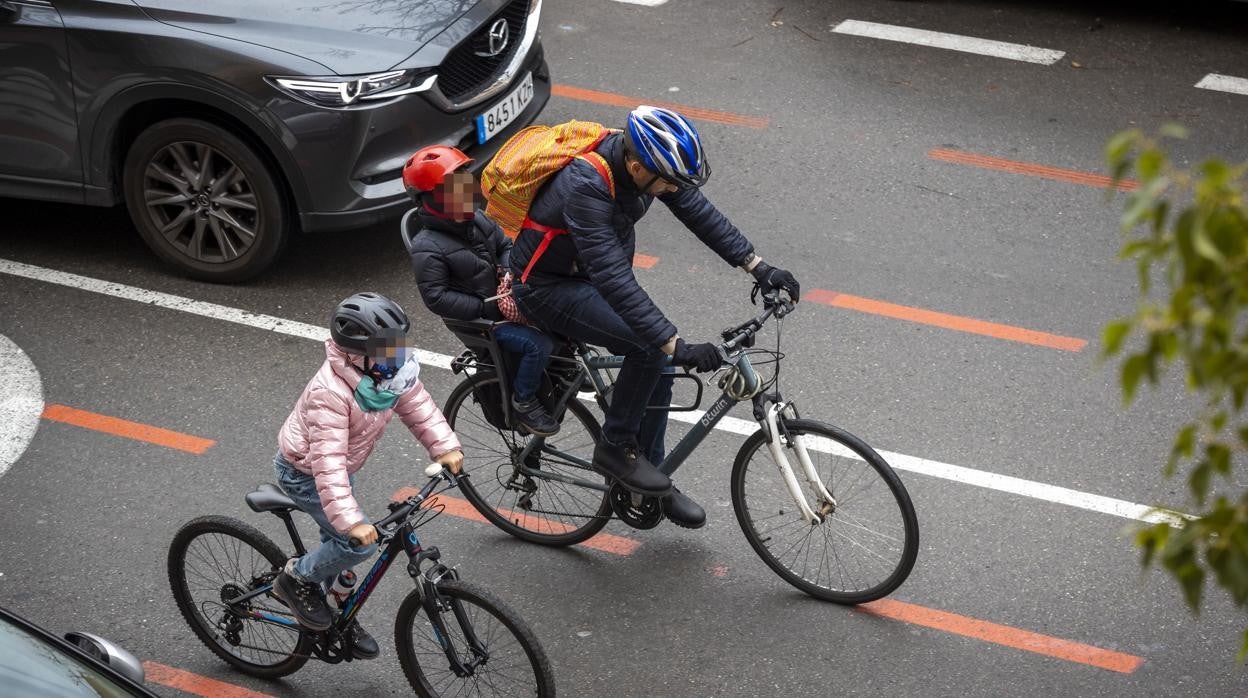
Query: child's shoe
306, 602
362, 645
534, 418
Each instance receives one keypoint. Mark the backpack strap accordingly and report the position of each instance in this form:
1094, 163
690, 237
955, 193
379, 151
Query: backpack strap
599, 163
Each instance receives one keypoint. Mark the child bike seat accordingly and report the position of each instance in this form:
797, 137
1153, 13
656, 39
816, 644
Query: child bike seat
268, 497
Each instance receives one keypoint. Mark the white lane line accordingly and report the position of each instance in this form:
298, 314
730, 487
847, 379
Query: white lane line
953, 42
944, 471
1224, 83
21, 402
646, 3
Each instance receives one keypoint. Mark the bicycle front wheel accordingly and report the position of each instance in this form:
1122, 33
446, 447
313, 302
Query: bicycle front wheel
867, 542
214, 559
532, 508
476, 646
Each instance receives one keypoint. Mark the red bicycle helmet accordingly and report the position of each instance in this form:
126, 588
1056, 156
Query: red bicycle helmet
429, 166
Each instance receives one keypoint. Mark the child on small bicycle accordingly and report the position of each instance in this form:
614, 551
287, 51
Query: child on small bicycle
457, 256
369, 375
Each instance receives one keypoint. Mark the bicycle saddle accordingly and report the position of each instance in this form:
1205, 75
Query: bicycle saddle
268, 497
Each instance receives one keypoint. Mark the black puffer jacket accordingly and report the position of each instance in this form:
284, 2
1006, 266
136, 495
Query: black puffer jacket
601, 239
455, 263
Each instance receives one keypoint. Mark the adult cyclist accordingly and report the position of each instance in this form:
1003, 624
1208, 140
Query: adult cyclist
583, 285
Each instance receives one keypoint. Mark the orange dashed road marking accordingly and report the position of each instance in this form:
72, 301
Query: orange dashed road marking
127, 429
195, 684
988, 162
1004, 635
606, 542
644, 261
949, 322
615, 100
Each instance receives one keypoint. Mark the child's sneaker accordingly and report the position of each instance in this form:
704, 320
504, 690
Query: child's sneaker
305, 600
534, 418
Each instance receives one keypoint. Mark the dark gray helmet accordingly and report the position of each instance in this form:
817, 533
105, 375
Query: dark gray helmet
365, 316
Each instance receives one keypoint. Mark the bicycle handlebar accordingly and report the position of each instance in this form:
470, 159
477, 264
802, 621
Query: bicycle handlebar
736, 337
400, 511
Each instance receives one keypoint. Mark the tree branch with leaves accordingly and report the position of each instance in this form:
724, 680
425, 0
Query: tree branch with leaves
1187, 232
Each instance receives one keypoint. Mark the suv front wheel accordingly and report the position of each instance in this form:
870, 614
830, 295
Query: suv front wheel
204, 201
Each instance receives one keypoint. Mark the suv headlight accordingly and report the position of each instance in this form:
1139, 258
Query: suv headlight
345, 90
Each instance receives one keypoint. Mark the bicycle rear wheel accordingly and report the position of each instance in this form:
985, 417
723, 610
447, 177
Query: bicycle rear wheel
500, 653
214, 559
868, 541
534, 509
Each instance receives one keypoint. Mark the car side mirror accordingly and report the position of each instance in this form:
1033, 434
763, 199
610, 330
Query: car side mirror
9, 11
109, 653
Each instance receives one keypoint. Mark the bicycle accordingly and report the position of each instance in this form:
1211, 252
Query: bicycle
221, 571
851, 548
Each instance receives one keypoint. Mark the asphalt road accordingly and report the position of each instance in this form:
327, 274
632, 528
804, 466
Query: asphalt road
837, 185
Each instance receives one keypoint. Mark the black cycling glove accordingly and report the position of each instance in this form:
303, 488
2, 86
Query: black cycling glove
700, 357
771, 278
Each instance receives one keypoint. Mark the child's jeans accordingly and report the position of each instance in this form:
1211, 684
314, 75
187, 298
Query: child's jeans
336, 553
534, 348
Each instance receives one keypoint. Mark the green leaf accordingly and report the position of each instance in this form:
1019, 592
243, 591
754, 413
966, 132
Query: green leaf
1149, 164
1198, 481
1113, 335
1172, 130
1132, 370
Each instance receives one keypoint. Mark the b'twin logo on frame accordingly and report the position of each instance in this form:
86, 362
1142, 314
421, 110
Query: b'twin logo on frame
711, 414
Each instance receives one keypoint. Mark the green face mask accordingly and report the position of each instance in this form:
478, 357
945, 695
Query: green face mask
370, 399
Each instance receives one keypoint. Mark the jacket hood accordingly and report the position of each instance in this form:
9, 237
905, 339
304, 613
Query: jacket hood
348, 367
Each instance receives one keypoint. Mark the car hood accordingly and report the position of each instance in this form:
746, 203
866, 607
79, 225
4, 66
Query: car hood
347, 36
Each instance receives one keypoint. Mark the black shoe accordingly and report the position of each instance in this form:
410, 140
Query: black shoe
305, 600
682, 511
362, 645
630, 469
534, 418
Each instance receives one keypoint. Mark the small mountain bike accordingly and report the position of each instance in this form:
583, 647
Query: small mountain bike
469, 642
816, 503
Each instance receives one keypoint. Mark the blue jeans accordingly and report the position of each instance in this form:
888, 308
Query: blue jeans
534, 349
336, 552
577, 310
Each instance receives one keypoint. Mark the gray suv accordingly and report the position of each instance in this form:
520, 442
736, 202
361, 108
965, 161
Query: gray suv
227, 125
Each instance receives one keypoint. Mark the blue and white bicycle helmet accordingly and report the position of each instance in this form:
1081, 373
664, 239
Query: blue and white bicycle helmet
668, 145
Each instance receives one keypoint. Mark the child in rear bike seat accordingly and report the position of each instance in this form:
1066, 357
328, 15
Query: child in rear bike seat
457, 255
369, 375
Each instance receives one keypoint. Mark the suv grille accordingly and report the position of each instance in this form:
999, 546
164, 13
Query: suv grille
464, 73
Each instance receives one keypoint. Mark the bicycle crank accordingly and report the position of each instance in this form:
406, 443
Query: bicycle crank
636, 510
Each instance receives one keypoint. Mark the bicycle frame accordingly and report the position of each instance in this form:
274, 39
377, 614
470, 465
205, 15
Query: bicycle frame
740, 384
401, 539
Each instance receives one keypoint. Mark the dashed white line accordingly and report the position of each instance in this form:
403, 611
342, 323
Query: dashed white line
21, 402
1224, 83
647, 3
953, 42
944, 471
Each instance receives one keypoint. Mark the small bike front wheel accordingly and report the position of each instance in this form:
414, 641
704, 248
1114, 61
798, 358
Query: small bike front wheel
214, 559
537, 509
868, 539
475, 646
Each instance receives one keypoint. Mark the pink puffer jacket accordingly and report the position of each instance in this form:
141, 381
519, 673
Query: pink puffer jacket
329, 436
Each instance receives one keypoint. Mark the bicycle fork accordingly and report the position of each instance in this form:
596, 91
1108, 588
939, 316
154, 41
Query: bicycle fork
826, 503
436, 605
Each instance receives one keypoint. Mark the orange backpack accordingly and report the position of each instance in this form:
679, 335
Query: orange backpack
525, 162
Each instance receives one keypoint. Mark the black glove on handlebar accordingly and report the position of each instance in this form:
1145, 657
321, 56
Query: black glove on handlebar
771, 278
700, 357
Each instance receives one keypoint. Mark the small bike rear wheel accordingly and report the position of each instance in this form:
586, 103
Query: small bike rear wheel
868, 540
214, 559
504, 660
532, 508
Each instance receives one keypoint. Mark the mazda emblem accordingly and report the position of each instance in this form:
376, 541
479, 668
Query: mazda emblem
498, 37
